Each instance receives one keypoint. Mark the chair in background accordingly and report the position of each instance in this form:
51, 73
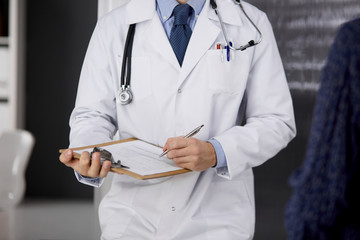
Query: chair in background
15, 150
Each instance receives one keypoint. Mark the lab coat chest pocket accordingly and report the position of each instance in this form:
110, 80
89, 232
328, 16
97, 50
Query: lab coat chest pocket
140, 80
227, 76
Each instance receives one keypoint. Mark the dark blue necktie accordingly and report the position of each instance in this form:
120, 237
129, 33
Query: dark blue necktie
181, 31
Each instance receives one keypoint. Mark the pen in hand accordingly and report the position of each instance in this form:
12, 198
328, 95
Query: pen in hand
190, 134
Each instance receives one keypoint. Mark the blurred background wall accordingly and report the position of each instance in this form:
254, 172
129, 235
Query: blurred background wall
58, 32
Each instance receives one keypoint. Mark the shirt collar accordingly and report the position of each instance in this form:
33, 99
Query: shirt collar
166, 7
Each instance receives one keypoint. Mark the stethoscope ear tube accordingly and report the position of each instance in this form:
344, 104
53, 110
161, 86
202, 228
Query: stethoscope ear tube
251, 43
213, 4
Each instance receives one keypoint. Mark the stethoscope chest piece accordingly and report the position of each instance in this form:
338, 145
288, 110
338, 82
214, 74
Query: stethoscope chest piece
124, 96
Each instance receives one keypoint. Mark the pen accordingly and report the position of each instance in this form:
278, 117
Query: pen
190, 134
219, 47
228, 51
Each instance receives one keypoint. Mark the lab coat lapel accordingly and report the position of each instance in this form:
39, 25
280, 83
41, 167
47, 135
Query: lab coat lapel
202, 39
159, 40
139, 11
145, 11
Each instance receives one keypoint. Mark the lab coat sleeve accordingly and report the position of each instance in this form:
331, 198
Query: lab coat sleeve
93, 119
270, 123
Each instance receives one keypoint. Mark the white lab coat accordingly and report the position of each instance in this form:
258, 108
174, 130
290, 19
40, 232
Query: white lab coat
170, 101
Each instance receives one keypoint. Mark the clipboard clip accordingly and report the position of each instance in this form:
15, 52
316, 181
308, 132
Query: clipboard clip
105, 155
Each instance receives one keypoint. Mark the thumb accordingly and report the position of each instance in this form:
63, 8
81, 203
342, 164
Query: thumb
66, 156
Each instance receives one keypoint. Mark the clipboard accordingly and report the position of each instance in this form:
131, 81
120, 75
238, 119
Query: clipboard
150, 156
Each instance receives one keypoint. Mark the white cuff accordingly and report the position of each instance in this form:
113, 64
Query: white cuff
94, 182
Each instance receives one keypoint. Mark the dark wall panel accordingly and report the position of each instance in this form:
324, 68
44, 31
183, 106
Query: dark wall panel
4, 17
58, 33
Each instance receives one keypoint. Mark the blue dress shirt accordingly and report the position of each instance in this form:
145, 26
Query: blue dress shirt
165, 8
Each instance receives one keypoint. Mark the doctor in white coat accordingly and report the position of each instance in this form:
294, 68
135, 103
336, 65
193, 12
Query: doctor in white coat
216, 199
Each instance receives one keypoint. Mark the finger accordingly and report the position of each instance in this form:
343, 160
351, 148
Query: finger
179, 153
66, 157
187, 147
166, 148
181, 160
105, 169
176, 143
95, 165
184, 162
167, 144
84, 163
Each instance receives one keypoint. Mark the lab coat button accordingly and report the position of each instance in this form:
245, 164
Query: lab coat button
179, 90
173, 209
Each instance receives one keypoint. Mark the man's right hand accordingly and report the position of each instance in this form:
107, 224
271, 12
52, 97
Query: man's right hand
84, 166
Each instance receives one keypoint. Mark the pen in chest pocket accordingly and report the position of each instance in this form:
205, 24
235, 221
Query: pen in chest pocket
219, 46
228, 57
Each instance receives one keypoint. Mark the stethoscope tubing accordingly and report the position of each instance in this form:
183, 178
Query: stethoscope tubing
126, 63
251, 43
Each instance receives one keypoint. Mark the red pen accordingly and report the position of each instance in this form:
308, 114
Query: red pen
219, 47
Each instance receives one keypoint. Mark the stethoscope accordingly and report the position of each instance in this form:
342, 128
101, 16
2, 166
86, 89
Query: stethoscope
125, 95
251, 43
